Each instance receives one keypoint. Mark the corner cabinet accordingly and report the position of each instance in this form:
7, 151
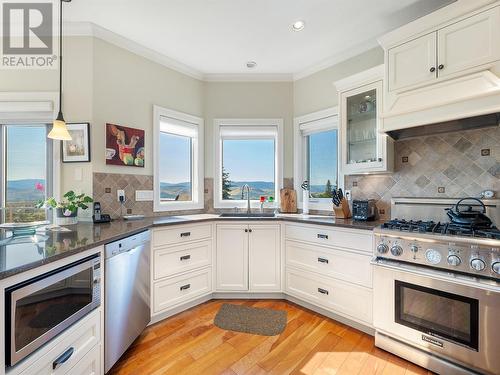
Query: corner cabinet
364, 148
248, 257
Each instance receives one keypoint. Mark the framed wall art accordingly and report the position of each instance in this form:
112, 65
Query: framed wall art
124, 146
78, 149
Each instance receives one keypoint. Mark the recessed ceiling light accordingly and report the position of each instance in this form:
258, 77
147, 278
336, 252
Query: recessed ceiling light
251, 64
298, 25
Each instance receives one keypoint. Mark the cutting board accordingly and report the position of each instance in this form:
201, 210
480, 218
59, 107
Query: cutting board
288, 201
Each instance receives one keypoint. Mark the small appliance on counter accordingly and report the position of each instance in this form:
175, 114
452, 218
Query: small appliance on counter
99, 217
364, 210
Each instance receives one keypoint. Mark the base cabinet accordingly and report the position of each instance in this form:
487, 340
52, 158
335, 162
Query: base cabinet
248, 257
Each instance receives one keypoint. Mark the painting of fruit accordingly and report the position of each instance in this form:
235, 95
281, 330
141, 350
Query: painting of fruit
124, 146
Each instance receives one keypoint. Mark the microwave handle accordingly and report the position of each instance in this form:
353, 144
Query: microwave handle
63, 358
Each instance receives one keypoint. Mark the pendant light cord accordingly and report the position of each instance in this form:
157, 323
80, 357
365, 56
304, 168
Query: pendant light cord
60, 54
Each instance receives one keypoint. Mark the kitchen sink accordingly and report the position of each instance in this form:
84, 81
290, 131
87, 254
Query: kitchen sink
246, 215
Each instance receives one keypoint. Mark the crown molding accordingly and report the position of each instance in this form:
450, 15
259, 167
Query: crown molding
91, 29
249, 77
337, 58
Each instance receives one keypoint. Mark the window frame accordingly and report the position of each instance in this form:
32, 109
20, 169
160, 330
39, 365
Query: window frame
278, 159
31, 108
197, 161
314, 123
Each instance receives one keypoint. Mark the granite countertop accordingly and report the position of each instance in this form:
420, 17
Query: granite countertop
21, 254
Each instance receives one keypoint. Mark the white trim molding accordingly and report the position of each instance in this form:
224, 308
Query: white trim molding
315, 121
197, 169
255, 123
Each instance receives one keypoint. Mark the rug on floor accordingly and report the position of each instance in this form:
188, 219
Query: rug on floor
257, 321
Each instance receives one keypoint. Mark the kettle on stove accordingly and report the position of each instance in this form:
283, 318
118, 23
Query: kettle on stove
468, 216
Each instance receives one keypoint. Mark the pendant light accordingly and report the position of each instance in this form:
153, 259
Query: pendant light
59, 130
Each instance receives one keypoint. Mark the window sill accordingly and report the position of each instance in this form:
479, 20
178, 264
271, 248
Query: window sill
177, 206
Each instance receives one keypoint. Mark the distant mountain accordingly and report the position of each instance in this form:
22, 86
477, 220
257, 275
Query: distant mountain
24, 190
257, 189
172, 190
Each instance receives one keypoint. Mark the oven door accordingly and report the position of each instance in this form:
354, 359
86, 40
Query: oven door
439, 314
39, 309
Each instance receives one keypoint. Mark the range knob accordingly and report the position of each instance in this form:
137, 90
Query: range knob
454, 260
382, 248
495, 267
396, 250
414, 249
477, 264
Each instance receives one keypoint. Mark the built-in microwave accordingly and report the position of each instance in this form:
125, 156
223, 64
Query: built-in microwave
40, 308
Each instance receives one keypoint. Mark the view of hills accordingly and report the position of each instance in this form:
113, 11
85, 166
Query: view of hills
24, 190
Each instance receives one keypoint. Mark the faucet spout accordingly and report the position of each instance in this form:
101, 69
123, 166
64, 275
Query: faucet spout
247, 188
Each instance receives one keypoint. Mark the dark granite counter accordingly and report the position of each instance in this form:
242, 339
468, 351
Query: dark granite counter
20, 254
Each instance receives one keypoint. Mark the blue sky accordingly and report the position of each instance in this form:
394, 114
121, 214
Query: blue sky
26, 152
175, 158
249, 160
323, 157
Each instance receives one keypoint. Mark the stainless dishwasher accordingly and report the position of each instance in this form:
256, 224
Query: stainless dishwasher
127, 294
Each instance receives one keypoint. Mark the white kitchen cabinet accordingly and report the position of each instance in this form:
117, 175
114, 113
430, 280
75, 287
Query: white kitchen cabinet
248, 257
460, 47
264, 257
364, 149
469, 43
232, 257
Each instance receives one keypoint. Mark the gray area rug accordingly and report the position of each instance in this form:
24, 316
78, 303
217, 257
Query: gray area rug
257, 321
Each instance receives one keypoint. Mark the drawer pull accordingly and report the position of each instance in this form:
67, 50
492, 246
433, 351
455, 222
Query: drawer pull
323, 236
63, 358
185, 257
323, 291
185, 234
323, 260
185, 287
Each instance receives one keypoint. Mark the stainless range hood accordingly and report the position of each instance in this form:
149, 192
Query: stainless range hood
477, 122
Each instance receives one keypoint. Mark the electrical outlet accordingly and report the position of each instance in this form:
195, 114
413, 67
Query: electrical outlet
120, 195
347, 195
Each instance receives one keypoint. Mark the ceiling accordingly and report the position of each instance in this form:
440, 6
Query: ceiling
215, 37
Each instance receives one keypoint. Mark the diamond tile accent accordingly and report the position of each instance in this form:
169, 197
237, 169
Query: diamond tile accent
453, 161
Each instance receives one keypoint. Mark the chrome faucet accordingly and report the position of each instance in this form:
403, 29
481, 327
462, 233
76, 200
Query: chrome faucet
247, 187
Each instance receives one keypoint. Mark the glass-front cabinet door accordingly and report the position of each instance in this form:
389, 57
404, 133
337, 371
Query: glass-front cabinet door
364, 149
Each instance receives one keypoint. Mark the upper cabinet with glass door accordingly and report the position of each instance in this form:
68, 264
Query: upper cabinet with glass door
364, 149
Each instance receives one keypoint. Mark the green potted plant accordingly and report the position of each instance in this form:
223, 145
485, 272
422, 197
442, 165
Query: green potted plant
67, 209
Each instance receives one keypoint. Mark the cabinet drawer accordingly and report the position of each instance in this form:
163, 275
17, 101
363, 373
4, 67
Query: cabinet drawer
176, 290
360, 240
349, 300
180, 234
88, 365
182, 258
344, 265
81, 337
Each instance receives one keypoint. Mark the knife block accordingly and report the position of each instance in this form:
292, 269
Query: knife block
343, 211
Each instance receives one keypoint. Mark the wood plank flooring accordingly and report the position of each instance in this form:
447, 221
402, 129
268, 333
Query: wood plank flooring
311, 344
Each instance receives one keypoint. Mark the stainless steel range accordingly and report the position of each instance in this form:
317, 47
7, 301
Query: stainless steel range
437, 284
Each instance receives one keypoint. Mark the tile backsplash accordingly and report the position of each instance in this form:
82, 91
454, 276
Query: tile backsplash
448, 165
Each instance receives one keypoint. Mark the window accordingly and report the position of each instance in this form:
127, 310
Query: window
248, 152
316, 156
26, 173
178, 164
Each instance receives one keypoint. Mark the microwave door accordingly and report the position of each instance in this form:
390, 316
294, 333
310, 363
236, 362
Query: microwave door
43, 307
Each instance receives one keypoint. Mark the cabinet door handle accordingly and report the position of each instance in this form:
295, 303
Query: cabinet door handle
185, 234
323, 260
432, 69
250, 230
185, 257
246, 230
441, 67
63, 358
185, 287
323, 291
323, 236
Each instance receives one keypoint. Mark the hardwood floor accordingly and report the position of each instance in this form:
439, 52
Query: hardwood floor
189, 343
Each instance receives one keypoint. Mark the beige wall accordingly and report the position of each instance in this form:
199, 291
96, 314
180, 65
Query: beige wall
316, 92
248, 100
126, 86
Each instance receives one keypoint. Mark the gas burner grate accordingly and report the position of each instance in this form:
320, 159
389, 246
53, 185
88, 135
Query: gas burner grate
420, 226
